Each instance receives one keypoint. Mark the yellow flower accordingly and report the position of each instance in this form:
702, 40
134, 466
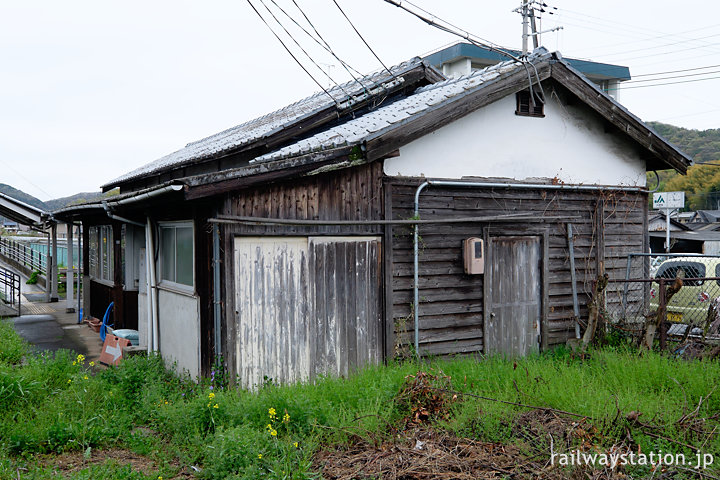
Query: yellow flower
208, 405
211, 395
273, 432
92, 364
286, 418
295, 444
74, 363
69, 380
271, 412
85, 377
166, 402
80, 358
216, 406
259, 455
159, 478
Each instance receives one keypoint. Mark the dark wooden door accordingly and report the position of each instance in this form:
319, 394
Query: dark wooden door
514, 310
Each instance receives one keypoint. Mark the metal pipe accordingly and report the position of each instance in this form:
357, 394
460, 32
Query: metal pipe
70, 275
216, 291
119, 218
55, 265
457, 183
514, 217
152, 286
416, 268
48, 264
147, 195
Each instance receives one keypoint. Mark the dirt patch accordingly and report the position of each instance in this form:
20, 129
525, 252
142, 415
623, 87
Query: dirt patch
426, 454
71, 462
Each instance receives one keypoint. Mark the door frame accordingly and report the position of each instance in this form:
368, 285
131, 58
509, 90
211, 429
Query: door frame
505, 230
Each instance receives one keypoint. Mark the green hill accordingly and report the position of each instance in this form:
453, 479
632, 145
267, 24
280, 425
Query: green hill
22, 196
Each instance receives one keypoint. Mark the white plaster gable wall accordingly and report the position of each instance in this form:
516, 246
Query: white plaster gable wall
569, 144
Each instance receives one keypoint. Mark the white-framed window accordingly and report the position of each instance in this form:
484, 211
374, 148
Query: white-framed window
177, 253
101, 252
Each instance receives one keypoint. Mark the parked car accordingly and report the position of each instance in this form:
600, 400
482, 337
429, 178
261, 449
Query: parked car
690, 304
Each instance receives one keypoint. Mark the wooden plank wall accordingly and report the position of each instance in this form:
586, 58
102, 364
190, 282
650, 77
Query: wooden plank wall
349, 194
451, 303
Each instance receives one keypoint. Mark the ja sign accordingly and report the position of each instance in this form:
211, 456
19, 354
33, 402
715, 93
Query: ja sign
668, 200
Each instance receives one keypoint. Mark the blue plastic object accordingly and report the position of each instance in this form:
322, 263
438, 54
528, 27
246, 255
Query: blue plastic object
105, 323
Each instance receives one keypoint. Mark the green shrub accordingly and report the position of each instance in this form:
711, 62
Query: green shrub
12, 347
33, 279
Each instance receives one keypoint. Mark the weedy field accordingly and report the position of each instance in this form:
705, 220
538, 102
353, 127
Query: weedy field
62, 417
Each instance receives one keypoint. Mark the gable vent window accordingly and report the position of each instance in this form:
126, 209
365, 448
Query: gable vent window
525, 108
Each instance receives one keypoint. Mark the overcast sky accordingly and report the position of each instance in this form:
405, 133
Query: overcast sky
92, 89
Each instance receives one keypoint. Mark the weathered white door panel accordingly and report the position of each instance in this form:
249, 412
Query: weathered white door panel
306, 306
272, 309
514, 307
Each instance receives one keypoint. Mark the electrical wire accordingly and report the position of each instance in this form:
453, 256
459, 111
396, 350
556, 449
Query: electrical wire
671, 77
452, 30
363, 39
676, 71
666, 83
332, 80
291, 54
322, 44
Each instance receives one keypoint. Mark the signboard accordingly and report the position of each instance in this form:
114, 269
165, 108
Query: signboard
112, 350
668, 200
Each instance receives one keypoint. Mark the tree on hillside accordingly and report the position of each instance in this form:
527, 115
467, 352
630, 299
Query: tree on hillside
699, 184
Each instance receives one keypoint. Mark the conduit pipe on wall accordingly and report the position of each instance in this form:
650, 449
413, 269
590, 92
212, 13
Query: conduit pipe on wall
152, 287
216, 290
458, 183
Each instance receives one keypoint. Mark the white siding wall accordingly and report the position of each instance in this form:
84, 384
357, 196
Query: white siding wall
569, 144
179, 322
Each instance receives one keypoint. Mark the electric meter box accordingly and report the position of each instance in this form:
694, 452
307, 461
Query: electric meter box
474, 256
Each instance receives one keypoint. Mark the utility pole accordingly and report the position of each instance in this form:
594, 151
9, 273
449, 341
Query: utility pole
525, 28
530, 29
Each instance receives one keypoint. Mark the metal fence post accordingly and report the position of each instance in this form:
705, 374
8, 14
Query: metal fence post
662, 308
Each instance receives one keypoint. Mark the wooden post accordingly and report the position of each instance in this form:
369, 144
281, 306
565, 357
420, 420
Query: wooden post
70, 276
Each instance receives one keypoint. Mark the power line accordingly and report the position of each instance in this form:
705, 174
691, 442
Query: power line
666, 45
674, 76
676, 71
666, 83
290, 52
332, 80
453, 30
363, 39
323, 44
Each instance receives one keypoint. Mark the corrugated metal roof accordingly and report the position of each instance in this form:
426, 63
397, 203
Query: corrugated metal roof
266, 125
386, 117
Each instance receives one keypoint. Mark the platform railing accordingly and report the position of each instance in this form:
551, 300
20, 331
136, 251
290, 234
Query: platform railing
24, 255
10, 288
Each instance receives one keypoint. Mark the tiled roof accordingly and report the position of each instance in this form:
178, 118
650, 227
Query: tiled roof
386, 117
266, 125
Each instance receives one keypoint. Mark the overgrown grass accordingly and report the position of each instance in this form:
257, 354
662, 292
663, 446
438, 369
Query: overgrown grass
59, 403
12, 347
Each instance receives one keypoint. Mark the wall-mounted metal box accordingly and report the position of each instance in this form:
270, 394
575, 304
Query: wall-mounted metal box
474, 256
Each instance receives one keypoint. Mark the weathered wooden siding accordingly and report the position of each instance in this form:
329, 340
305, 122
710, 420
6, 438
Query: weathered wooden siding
606, 226
346, 332
349, 194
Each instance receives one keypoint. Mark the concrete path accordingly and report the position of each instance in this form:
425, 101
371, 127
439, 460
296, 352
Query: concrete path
47, 326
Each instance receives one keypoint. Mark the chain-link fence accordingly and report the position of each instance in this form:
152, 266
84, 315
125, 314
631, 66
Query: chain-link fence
693, 311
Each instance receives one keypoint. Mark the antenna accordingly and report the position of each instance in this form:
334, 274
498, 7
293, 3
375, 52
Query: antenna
530, 11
